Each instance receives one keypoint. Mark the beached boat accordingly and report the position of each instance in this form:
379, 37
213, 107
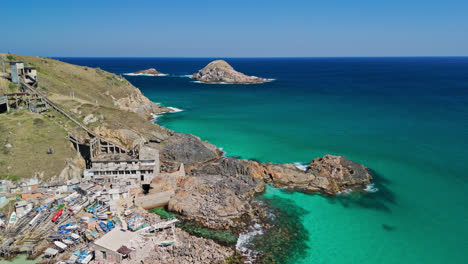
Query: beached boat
12, 219
166, 243
57, 215
103, 226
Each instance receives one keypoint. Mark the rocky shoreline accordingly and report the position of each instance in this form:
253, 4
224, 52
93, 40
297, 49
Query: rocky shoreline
220, 192
201, 184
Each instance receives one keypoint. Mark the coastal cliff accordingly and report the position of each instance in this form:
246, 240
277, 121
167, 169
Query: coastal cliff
219, 71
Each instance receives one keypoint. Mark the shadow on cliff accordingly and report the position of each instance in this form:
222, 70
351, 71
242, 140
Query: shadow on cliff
287, 237
378, 196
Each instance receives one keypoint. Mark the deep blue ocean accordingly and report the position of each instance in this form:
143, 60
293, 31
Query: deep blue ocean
404, 118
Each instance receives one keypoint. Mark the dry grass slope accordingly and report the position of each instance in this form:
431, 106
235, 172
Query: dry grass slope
28, 137
95, 92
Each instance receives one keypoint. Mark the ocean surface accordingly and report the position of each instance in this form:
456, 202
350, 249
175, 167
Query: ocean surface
404, 118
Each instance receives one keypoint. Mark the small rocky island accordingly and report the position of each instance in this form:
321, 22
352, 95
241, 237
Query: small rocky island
219, 71
150, 71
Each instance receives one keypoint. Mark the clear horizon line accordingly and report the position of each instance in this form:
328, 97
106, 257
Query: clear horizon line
260, 57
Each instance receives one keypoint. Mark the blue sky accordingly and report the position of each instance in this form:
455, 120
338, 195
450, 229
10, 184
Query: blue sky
224, 28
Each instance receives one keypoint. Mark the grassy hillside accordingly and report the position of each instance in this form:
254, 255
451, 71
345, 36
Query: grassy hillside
25, 138
96, 92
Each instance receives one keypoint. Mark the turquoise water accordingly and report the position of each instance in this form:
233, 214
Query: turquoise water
405, 118
20, 259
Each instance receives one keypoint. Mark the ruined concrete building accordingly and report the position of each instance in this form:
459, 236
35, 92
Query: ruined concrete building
21, 73
111, 163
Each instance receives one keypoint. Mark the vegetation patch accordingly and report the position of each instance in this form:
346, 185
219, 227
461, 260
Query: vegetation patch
223, 237
12, 86
30, 138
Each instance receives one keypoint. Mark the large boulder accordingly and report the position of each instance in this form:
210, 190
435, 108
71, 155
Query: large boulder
219, 71
188, 149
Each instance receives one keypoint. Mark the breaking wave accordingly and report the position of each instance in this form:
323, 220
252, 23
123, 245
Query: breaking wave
175, 109
143, 74
301, 166
371, 188
245, 238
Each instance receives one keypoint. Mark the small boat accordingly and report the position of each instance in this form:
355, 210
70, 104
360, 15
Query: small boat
87, 259
57, 215
12, 218
102, 216
103, 226
110, 225
166, 243
117, 221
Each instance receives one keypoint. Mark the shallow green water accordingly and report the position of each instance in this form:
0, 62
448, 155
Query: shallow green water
20, 259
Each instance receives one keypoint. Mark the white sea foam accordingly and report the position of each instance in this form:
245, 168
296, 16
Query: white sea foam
155, 117
143, 74
175, 109
266, 80
345, 192
301, 166
212, 83
245, 238
371, 188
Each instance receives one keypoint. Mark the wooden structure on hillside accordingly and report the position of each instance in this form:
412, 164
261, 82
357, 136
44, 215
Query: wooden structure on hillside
4, 106
19, 73
22, 100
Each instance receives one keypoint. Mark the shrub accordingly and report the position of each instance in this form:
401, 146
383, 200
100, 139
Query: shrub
12, 86
13, 177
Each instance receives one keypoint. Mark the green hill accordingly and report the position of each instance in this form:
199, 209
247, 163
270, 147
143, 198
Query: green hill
107, 103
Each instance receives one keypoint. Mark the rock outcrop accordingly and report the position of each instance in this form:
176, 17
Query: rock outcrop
138, 103
219, 71
150, 71
329, 174
189, 149
216, 201
190, 249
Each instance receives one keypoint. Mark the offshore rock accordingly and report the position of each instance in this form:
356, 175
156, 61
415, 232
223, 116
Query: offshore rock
150, 71
329, 174
219, 71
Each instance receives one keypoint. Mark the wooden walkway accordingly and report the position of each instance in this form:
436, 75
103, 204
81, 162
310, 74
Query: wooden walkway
63, 112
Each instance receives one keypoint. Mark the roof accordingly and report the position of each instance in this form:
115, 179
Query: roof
124, 250
115, 239
60, 244
21, 203
50, 252
114, 191
114, 157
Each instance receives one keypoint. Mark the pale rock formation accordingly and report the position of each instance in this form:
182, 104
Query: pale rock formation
219, 71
